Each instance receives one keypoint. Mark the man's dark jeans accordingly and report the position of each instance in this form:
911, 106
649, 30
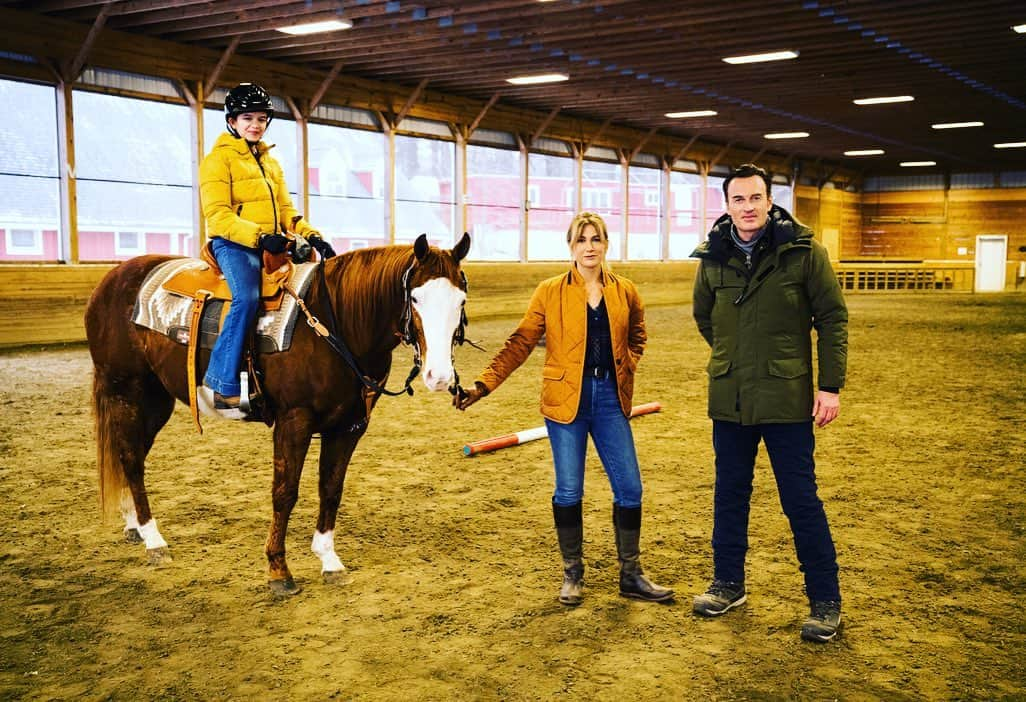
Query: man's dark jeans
790, 448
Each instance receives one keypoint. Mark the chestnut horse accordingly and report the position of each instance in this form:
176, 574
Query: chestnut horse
380, 296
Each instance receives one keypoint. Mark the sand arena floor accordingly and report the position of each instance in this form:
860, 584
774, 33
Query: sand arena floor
454, 563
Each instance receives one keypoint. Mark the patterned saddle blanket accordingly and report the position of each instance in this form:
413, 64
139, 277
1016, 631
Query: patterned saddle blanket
165, 302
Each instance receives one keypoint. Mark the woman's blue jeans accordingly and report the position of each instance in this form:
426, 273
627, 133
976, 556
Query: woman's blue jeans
790, 448
600, 415
241, 268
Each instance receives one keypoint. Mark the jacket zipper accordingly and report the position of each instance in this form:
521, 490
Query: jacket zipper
274, 205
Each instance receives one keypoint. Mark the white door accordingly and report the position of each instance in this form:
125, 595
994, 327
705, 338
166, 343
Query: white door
991, 255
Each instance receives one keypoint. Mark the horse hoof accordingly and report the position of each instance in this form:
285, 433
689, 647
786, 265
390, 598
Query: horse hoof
284, 588
132, 536
337, 577
158, 556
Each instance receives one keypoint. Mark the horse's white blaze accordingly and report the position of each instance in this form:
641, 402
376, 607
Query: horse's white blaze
151, 537
324, 546
439, 304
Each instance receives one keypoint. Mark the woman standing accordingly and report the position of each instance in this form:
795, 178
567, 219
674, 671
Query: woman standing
594, 325
247, 207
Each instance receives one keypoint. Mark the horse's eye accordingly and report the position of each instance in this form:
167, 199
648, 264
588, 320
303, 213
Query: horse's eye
414, 300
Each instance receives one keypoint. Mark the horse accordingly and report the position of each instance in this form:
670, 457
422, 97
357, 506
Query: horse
383, 296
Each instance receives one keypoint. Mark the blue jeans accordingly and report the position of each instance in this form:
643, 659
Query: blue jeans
790, 448
241, 268
600, 415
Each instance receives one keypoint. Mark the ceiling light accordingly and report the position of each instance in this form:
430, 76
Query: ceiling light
787, 135
914, 164
956, 125
758, 58
1011, 145
316, 27
539, 78
883, 100
864, 152
694, 113
1019, 28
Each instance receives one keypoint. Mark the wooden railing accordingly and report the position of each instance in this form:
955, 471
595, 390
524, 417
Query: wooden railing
884, 276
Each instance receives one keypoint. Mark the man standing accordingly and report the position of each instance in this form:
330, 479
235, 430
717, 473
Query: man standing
763, 284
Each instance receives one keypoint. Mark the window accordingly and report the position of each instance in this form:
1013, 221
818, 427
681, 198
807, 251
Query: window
425, 189
495, 207
29, 207
685, 214
128, 244
602, 193
551, 184
645, 216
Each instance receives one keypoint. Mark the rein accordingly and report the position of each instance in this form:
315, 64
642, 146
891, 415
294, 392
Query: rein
407, 335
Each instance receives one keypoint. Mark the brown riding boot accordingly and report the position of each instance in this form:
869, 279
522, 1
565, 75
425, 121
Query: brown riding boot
633, 583
570, 533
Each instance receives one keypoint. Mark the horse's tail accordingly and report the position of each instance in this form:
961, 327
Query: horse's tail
113, 485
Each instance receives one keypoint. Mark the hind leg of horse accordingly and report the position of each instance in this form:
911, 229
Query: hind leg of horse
134, 411
291, 442
336, 451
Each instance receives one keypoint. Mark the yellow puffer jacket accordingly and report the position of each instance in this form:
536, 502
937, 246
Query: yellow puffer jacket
243, 197
558, 309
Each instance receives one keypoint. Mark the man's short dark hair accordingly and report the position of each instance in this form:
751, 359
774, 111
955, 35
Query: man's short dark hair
747, 170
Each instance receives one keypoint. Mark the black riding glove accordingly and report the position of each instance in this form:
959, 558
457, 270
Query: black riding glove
274, 243
322, 247
301, 249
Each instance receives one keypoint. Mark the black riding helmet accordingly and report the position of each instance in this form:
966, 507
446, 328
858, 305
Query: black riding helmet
246, 97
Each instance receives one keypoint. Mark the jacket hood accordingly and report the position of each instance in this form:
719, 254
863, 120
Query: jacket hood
781, 227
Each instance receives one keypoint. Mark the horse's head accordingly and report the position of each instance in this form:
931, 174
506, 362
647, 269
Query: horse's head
437, 293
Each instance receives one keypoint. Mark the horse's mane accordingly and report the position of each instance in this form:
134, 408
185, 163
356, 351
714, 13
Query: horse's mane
368, 286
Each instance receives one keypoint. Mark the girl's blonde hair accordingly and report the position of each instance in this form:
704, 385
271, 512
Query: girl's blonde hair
578, 223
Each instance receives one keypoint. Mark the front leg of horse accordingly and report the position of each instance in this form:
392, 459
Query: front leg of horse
336, 451
291, 442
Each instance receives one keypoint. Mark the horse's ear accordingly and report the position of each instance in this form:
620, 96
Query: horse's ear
460, 250
420, 247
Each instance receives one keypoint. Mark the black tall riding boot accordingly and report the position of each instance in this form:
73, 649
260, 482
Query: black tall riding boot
570, 532
633, 583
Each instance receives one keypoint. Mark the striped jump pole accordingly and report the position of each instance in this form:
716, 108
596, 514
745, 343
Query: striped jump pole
522, 437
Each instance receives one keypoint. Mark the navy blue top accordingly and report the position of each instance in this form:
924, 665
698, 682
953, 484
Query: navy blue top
600, 345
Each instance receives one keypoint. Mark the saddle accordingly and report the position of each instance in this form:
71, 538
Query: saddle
187, 299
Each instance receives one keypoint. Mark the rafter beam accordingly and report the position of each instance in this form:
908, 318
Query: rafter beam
484, 110
410, 101
644, 140
545, 124
187, 93
597, 134
720, 155
687, 147
325, 84
75, 67
208, 87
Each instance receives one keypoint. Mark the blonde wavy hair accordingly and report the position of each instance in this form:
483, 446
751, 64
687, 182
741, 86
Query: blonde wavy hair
578, 223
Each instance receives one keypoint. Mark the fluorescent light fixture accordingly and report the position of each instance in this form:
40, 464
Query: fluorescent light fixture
916, 164
693, 113
1011, 145
1019, 29
759, 58
956, 125
316, 27
539, 78
883, 100
786, 135
864, 152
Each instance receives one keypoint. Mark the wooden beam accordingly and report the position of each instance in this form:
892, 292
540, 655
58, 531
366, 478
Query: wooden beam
680, 154
757, 154
297, 114
75, 68
545, 123
325, 84
187, 93
597, 134
644, 140
721, 154
480, 115
410, 101
208, 86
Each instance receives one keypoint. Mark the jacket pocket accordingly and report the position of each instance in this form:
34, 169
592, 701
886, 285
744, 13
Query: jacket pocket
788, 367
718, 367
553, 387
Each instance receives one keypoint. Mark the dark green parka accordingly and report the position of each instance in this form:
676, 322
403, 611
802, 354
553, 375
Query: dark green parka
759, 322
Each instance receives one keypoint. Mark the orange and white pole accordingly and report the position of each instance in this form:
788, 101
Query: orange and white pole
522, 437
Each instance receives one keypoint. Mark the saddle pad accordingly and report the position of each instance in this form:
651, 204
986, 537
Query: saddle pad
169, 313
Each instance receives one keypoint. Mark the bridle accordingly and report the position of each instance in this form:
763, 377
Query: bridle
407, 334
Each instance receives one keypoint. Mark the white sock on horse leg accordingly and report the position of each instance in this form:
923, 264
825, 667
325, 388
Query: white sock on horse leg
151, 537
324, 546
129, 515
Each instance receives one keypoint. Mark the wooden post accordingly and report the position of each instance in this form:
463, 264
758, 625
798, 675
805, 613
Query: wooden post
66, 163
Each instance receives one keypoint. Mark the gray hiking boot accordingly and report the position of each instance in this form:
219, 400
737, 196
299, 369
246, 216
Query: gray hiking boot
721, 597
823, 622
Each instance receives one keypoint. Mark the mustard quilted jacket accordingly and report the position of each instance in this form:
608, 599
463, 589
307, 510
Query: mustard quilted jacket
244, 197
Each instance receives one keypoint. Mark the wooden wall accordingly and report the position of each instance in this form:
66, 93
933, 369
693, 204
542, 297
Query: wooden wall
835, 216
46, 303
